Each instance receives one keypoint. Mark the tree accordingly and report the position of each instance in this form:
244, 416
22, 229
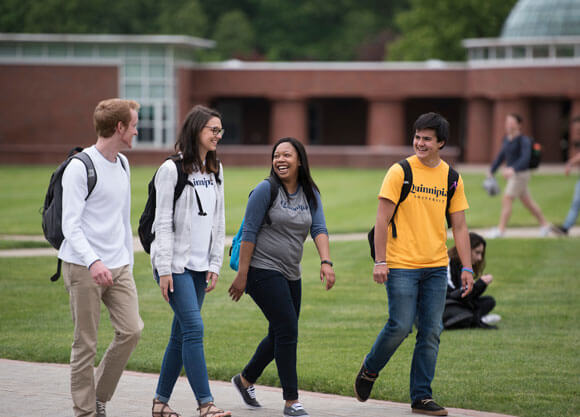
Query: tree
234, 35
79, 16
322, 30
434, 29
182, 17
273, 29
310, 29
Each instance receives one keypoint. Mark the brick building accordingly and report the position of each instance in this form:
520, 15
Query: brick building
355, 114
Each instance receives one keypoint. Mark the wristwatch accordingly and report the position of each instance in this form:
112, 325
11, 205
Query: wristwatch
326, 261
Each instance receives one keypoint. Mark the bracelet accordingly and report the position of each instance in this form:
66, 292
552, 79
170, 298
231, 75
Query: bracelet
326, 261
380, 263
468, 270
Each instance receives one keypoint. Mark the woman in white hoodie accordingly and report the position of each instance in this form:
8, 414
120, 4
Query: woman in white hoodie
187, 253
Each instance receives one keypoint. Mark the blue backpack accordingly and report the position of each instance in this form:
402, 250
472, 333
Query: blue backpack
237, 240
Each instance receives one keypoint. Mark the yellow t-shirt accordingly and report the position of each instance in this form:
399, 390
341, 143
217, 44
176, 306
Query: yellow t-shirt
420, 219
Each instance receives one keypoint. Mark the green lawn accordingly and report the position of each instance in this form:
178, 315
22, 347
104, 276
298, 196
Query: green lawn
22, 244
529, 367
348, 195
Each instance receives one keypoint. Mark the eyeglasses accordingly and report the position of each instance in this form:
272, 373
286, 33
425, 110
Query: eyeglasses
217, 131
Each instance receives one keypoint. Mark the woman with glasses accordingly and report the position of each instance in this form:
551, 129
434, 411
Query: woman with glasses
187, 253
269, 266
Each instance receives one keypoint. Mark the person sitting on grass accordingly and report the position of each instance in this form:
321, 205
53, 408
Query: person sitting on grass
474, 309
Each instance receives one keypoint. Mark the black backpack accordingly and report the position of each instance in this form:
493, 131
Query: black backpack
452, 178
52, 209
145, 229
535, 154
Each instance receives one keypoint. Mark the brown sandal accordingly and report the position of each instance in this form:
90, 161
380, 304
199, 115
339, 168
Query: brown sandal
213, 411
165, 410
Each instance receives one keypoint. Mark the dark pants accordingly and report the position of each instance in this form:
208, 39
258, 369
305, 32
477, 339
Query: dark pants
483, 305
279, 300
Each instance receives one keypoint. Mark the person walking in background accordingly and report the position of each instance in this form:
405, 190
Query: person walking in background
516, 153
187, 253
413, 264
573, 161
97, 255
269, 266
474, 309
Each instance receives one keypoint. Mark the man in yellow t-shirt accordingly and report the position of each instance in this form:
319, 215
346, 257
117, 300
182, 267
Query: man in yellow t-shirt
413, 265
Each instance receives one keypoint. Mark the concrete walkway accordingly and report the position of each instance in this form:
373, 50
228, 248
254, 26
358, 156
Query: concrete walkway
516, 232
42, 390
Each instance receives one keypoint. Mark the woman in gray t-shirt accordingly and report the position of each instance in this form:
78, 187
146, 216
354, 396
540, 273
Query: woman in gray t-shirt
269, 271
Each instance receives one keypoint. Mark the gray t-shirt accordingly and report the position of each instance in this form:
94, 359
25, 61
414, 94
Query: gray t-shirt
279, 245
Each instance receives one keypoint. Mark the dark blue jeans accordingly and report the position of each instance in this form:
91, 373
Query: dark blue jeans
279, 300
185, 347
415, 296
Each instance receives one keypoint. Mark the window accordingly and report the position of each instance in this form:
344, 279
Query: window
541, 51
565, 51
148, 78
57, 50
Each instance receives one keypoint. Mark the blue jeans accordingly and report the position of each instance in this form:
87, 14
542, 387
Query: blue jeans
279, 300
415, 296
185, 347
574, 208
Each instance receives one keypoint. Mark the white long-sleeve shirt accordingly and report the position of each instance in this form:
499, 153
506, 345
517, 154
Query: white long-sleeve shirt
171, 251
100, 227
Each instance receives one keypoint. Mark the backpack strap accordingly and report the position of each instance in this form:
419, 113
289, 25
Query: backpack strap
452, 180
122, 161
77, 153
274, 187
182, 181
56, 275
405, 189
90, 167
217, 174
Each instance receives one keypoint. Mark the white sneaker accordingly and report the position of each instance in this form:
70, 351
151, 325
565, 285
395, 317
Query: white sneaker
495, 233
545, 230
491, 319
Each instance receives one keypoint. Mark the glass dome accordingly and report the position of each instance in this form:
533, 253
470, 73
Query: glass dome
543, 18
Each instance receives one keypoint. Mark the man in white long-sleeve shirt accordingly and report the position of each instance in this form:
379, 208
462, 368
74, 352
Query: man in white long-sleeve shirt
97, 256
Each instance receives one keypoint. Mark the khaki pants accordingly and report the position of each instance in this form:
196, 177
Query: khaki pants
517, 185
85, 303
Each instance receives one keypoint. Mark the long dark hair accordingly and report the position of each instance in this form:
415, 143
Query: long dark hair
188, 141
304, 178
474, 241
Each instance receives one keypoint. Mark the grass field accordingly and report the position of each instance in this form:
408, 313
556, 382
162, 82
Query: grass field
529, 367
348, 195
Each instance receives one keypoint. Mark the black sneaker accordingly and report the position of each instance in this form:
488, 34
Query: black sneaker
248, 394
559, 230
100, 410
429, 407
363, 384
295, 410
